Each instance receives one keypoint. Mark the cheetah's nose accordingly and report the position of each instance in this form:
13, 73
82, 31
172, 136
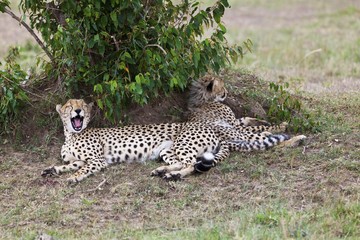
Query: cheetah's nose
78, 111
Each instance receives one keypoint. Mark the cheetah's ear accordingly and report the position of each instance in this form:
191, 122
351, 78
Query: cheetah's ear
58, 108
210, 86
90, 105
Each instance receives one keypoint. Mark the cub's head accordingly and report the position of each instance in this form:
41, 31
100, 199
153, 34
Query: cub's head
207, 89
75, 114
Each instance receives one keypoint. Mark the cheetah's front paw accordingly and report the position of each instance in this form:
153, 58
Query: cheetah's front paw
160, 172
49, 172
172, 176
72, 180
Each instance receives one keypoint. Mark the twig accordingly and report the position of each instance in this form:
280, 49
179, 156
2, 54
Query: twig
58, 16
116, 43
98, 187
25, 90
309, 54
303, 151
32, 34
156, 45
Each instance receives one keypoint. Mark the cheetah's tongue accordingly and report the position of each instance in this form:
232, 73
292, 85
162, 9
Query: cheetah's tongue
77, 122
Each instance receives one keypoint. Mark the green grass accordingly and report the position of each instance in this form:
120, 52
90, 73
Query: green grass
300, 45
29, 53
273, 221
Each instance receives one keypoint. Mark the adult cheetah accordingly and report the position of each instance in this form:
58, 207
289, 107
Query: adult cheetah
88, 150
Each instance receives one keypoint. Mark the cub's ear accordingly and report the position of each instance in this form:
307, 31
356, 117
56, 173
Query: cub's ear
210, 86
58, 108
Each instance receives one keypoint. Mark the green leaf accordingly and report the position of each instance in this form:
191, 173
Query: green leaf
126, 56
96, 38
111, 48
222, 27
139, 89
218, 13
113, 86
108, 104
225, 3
248, 44
3, 5
106, 77
233, 55
87, 11
114, 18
173, 82
100, 104
196, 58
98, 88
104, 21
101, 50
138, 78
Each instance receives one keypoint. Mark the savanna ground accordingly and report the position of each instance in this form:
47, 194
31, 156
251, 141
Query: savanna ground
309, 192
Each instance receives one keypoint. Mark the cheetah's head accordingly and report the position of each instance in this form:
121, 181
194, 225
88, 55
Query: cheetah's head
75, 114
207, 89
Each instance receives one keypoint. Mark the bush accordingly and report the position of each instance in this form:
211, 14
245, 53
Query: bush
286, 107
130, 50
12, 96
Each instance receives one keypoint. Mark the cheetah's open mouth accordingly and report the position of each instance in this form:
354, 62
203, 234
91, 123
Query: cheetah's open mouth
77, 122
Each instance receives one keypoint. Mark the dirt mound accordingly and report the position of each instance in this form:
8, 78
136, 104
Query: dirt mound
41, 124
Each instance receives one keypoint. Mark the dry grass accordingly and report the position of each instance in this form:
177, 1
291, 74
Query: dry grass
313, 45
310, 191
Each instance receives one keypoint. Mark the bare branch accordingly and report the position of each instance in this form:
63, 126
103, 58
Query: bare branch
98, 187
32, 34
116, 43
156, 45
56, 14
25, 90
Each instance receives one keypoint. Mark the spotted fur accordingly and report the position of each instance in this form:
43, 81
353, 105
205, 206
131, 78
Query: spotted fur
206, 109
89, 150
209, 132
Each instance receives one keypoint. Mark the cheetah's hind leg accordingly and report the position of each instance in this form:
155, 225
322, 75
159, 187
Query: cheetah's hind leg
293, 142
249, 121
205, 163
201, 164
179, 174
210, 160
170, 158
163, 170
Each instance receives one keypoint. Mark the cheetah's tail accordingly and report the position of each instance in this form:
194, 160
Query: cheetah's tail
268, 142
204, 163
210, 159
